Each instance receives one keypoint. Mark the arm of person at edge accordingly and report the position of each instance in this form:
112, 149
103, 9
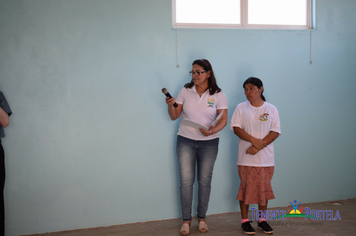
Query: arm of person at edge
219, 126
4, 118
257, 144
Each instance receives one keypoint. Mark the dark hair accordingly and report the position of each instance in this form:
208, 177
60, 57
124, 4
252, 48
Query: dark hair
212, 85
257, 82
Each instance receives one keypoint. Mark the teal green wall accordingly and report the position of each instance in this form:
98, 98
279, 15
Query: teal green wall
91, 144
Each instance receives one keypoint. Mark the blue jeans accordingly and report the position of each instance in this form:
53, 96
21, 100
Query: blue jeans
192, 153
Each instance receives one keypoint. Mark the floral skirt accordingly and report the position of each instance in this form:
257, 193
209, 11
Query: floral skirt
255, 187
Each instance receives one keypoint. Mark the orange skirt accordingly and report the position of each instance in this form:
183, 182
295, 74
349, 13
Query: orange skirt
255, 187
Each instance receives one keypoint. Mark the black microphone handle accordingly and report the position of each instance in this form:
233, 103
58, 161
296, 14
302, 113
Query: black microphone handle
169, 96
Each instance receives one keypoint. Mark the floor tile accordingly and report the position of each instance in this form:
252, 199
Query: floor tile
81, 232
228, 224
127, 230
224, 223
166, 227
172, 228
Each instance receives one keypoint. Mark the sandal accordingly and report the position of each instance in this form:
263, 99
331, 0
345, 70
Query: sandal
202, 226
185, 229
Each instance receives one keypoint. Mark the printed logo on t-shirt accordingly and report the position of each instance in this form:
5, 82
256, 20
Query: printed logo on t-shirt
211, 102
264, 117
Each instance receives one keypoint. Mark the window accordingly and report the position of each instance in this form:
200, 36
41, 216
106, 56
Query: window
262, 14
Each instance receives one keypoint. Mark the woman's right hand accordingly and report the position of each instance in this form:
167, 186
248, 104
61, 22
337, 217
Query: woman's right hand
174, 112
258, 143
170, 101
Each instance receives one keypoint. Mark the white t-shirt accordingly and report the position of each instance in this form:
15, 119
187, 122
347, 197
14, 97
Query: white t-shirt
201, 110
257, 122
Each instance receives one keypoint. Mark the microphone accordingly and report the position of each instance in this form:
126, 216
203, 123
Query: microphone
165, 91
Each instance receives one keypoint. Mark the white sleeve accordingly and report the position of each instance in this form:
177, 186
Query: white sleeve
180, 96
236, 118
222, 102
275, 125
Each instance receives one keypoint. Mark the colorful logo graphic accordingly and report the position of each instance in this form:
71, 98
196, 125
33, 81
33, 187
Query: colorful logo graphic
211, 102
295, 210
264, 117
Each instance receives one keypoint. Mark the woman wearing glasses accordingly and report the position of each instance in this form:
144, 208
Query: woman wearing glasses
200, 101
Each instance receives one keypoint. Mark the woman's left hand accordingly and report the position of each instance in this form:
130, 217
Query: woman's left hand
252, 150
207, 132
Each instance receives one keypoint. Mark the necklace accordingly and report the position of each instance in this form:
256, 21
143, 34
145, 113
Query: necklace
201, 93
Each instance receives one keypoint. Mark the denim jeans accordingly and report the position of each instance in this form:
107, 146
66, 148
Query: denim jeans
192, 154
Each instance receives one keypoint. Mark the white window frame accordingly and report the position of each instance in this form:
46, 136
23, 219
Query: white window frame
244, 18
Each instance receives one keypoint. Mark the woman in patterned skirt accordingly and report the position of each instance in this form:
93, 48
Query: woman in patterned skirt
256, 123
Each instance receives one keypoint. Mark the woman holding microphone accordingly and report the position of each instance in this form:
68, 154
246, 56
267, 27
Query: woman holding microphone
200, 101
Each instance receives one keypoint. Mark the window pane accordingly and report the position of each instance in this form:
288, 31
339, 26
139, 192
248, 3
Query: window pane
208, 11
277, 12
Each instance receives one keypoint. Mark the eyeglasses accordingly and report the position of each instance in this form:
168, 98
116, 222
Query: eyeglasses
196, 72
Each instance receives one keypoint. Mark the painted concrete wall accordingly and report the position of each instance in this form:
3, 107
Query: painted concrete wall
91, 144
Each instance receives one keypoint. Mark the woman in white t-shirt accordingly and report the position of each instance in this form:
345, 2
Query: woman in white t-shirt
256, 123
200, 101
